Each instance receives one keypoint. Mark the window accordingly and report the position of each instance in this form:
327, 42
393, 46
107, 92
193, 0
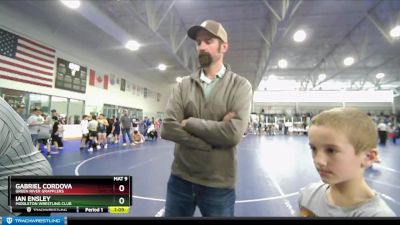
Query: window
75, 111
39, 101
61, 106
110, 110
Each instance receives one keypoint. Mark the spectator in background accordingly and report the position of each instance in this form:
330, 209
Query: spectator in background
62, 119
382, 132
110, 136
135, 124
146, 124
102, 131
396, 133
55, 138
152, 133
34, 122
92, 126
60, 132
54, 113
157, 125
85, 131
44, 134
126, 127
138, 138
392, 133
21, 111
116, 130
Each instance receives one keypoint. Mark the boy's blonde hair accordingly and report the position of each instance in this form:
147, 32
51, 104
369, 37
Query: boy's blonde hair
356, 125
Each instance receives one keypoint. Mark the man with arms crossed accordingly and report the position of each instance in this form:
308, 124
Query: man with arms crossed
206, 117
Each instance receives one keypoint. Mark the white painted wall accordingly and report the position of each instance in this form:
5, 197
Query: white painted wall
25, 25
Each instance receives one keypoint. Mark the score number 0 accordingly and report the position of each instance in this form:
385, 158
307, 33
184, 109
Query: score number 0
121, 200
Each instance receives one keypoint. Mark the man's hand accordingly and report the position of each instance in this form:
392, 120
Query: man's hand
183, 123
228, 117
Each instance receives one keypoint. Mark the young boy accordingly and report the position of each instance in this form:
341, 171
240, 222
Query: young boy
343, 144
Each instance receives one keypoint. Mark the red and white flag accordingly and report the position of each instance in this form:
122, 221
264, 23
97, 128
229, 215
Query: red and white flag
99, 81
26, 61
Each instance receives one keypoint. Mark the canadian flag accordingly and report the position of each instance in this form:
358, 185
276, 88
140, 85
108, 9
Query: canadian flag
99, 80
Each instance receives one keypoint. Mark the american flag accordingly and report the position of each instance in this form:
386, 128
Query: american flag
26, 61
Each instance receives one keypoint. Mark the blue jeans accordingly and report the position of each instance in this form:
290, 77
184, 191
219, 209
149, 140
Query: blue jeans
126, 131
183, 197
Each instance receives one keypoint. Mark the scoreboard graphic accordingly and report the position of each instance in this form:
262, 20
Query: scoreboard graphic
77, 194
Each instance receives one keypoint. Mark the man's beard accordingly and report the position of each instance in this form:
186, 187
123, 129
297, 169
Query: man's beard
205, 59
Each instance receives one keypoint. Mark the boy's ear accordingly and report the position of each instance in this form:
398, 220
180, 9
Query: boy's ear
369, 158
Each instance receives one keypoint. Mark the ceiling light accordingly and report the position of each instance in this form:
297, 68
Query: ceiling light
348, 61
73, 4
299, 36
395, 32
380, 75
322, 76
132, 45
282, 63
179, 79
162, 67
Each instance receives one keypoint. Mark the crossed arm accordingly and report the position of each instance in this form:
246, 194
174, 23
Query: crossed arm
207, 134
172, 129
